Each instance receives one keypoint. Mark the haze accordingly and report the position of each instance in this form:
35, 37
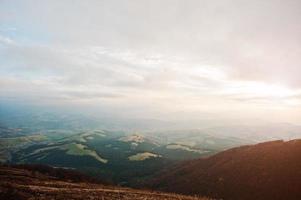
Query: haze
155, 59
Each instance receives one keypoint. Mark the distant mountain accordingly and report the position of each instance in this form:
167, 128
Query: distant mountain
270, 170
257, 133
125, 159
112, 156
201, 139
42, 182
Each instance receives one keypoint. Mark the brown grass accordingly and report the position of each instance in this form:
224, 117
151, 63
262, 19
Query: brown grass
23, 184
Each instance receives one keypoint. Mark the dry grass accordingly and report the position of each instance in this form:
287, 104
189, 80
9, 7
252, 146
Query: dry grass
22, 184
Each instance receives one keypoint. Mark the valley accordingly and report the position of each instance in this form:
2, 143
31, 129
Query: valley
119, 157
204, 162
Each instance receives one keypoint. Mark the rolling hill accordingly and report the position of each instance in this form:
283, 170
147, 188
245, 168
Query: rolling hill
125, 159
270, 170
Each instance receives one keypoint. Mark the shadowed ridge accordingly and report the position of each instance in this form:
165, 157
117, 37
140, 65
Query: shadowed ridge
270, 170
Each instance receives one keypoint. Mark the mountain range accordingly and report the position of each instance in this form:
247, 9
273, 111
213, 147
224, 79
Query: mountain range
222, 162
118, 157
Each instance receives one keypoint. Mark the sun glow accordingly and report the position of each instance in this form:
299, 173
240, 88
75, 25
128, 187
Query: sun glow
251, 90
262, 89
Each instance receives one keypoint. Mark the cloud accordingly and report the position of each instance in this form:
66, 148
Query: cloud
5, 40
170, 55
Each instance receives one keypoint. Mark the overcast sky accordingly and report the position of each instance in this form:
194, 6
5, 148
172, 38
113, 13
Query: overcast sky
155, 59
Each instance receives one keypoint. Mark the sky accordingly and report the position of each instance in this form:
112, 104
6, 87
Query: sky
155, 59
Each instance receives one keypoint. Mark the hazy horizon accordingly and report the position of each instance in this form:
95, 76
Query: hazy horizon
167, 60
